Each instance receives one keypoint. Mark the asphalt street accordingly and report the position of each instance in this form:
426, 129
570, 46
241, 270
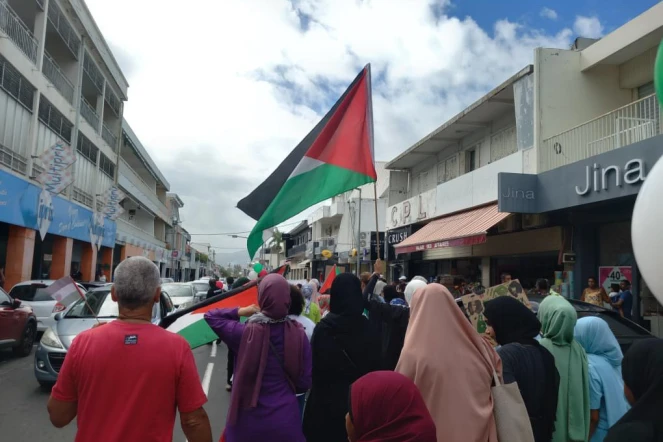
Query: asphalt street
23, 415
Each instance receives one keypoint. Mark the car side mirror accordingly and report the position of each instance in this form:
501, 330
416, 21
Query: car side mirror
58, 316
16, 303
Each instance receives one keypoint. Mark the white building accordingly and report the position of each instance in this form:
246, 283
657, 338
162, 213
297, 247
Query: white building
58, 81
508, 184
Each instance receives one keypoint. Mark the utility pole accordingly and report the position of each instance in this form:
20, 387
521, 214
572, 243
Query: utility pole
359, 252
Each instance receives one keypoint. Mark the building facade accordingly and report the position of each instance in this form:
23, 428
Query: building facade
59, 85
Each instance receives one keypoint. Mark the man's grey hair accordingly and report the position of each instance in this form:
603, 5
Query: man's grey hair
136, 282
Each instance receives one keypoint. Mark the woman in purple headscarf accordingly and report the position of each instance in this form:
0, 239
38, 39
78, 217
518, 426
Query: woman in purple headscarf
273, 362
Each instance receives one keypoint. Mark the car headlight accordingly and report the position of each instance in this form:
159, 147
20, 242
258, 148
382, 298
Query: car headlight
50, 339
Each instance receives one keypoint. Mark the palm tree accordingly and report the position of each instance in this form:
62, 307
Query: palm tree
277, 239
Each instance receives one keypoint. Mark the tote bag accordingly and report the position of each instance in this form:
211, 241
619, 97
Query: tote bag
509, 411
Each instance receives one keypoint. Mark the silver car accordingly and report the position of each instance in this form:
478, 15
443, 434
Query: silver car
181, 293
33, 294
76, 319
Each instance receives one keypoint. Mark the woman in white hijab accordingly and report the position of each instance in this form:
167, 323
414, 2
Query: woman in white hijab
412, 286
315, 285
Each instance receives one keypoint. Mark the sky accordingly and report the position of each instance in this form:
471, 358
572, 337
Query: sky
221, 91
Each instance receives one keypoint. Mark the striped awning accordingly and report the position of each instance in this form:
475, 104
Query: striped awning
462, 229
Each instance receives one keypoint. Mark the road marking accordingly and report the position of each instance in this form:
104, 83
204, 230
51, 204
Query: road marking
207, 377
213, 353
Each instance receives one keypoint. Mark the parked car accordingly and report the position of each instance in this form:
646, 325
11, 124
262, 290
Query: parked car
626, 331
181, 293
94, 284
33, 294
79, 317
18, 325
200, 287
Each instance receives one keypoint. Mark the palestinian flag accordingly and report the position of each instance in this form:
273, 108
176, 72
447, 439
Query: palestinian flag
336, 156
330, 278
190, 322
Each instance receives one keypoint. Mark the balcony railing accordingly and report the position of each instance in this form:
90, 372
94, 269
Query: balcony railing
18, 32
128, 229
296, 250
108, 136
629, 124
93, 72
55, 75
64, 29
113, 101
90, 115
153, 204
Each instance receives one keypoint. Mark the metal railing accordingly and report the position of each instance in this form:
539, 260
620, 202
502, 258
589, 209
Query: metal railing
129, 229
40, 3
108, 136
626, 125
296, 250
135, 179
18, 32
55, 75
112, 101
64, 29
93, 72
90, 115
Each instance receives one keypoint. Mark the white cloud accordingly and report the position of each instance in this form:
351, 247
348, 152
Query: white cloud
548, 13
221, 91
589, 27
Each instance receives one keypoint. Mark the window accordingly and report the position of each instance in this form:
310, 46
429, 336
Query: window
646, 90
30, 293
106, 165
15, 84
55, 121
86, 148
470, 160
4, 298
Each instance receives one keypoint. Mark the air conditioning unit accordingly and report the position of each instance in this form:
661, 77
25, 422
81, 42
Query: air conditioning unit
363, 235
534, 220
508, 224
363, 243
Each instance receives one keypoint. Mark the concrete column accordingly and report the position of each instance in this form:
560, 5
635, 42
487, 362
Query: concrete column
107, 259
586, 248
123, 253
89, 262
20, 251
62, 252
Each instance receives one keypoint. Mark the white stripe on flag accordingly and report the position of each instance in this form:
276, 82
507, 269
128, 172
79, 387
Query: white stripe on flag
61, 288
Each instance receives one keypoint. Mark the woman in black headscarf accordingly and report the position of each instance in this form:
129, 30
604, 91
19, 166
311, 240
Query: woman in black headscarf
525, 361
344, 348
642, 369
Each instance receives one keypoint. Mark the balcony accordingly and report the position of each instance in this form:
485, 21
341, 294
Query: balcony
90, 115
296, 250
320, 214
621, 127
18, 32
328, 243
126, 231
108, 137
64, 29
93, 73
134, 184
55, 75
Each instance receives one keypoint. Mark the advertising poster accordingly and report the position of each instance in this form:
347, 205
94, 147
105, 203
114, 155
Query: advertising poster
474, 303
613, 275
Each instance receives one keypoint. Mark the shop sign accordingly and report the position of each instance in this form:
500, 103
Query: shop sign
456, 242
20, 203
394, 237
610, 175
413, 210
613, 275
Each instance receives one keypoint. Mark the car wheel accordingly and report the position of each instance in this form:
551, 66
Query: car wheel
46, 386
24, 348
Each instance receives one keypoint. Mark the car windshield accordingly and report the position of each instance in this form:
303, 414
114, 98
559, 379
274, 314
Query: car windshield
177, 290
99, 304
200, 287
619, 328
30, 293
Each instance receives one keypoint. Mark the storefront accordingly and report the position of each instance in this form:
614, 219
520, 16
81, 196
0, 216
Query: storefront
594, 198
23, 253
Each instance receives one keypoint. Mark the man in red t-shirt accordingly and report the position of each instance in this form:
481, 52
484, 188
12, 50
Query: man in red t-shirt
125, 380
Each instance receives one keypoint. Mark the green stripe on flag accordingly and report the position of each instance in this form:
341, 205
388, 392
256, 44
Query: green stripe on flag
198, 334
301, 192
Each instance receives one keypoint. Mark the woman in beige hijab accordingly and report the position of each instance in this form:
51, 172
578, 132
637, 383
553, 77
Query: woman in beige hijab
448, 360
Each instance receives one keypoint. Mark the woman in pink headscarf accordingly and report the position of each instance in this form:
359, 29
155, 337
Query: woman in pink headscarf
452, 366
273, 362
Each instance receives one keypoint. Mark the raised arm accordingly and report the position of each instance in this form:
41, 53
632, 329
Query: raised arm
225, 323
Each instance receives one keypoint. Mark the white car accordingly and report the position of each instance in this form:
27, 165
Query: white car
33, 294
200, 287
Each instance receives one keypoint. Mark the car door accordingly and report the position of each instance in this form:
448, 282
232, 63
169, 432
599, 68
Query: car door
6, 318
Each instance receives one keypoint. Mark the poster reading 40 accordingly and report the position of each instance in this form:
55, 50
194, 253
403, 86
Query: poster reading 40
613, 275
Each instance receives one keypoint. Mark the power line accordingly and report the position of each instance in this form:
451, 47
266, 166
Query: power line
240, 233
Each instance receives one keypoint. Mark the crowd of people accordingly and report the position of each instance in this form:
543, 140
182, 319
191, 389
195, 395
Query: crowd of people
369, 363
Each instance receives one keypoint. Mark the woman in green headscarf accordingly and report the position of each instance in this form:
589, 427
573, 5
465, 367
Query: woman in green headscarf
558, 319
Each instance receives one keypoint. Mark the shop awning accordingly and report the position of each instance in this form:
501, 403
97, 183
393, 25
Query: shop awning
462, 229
